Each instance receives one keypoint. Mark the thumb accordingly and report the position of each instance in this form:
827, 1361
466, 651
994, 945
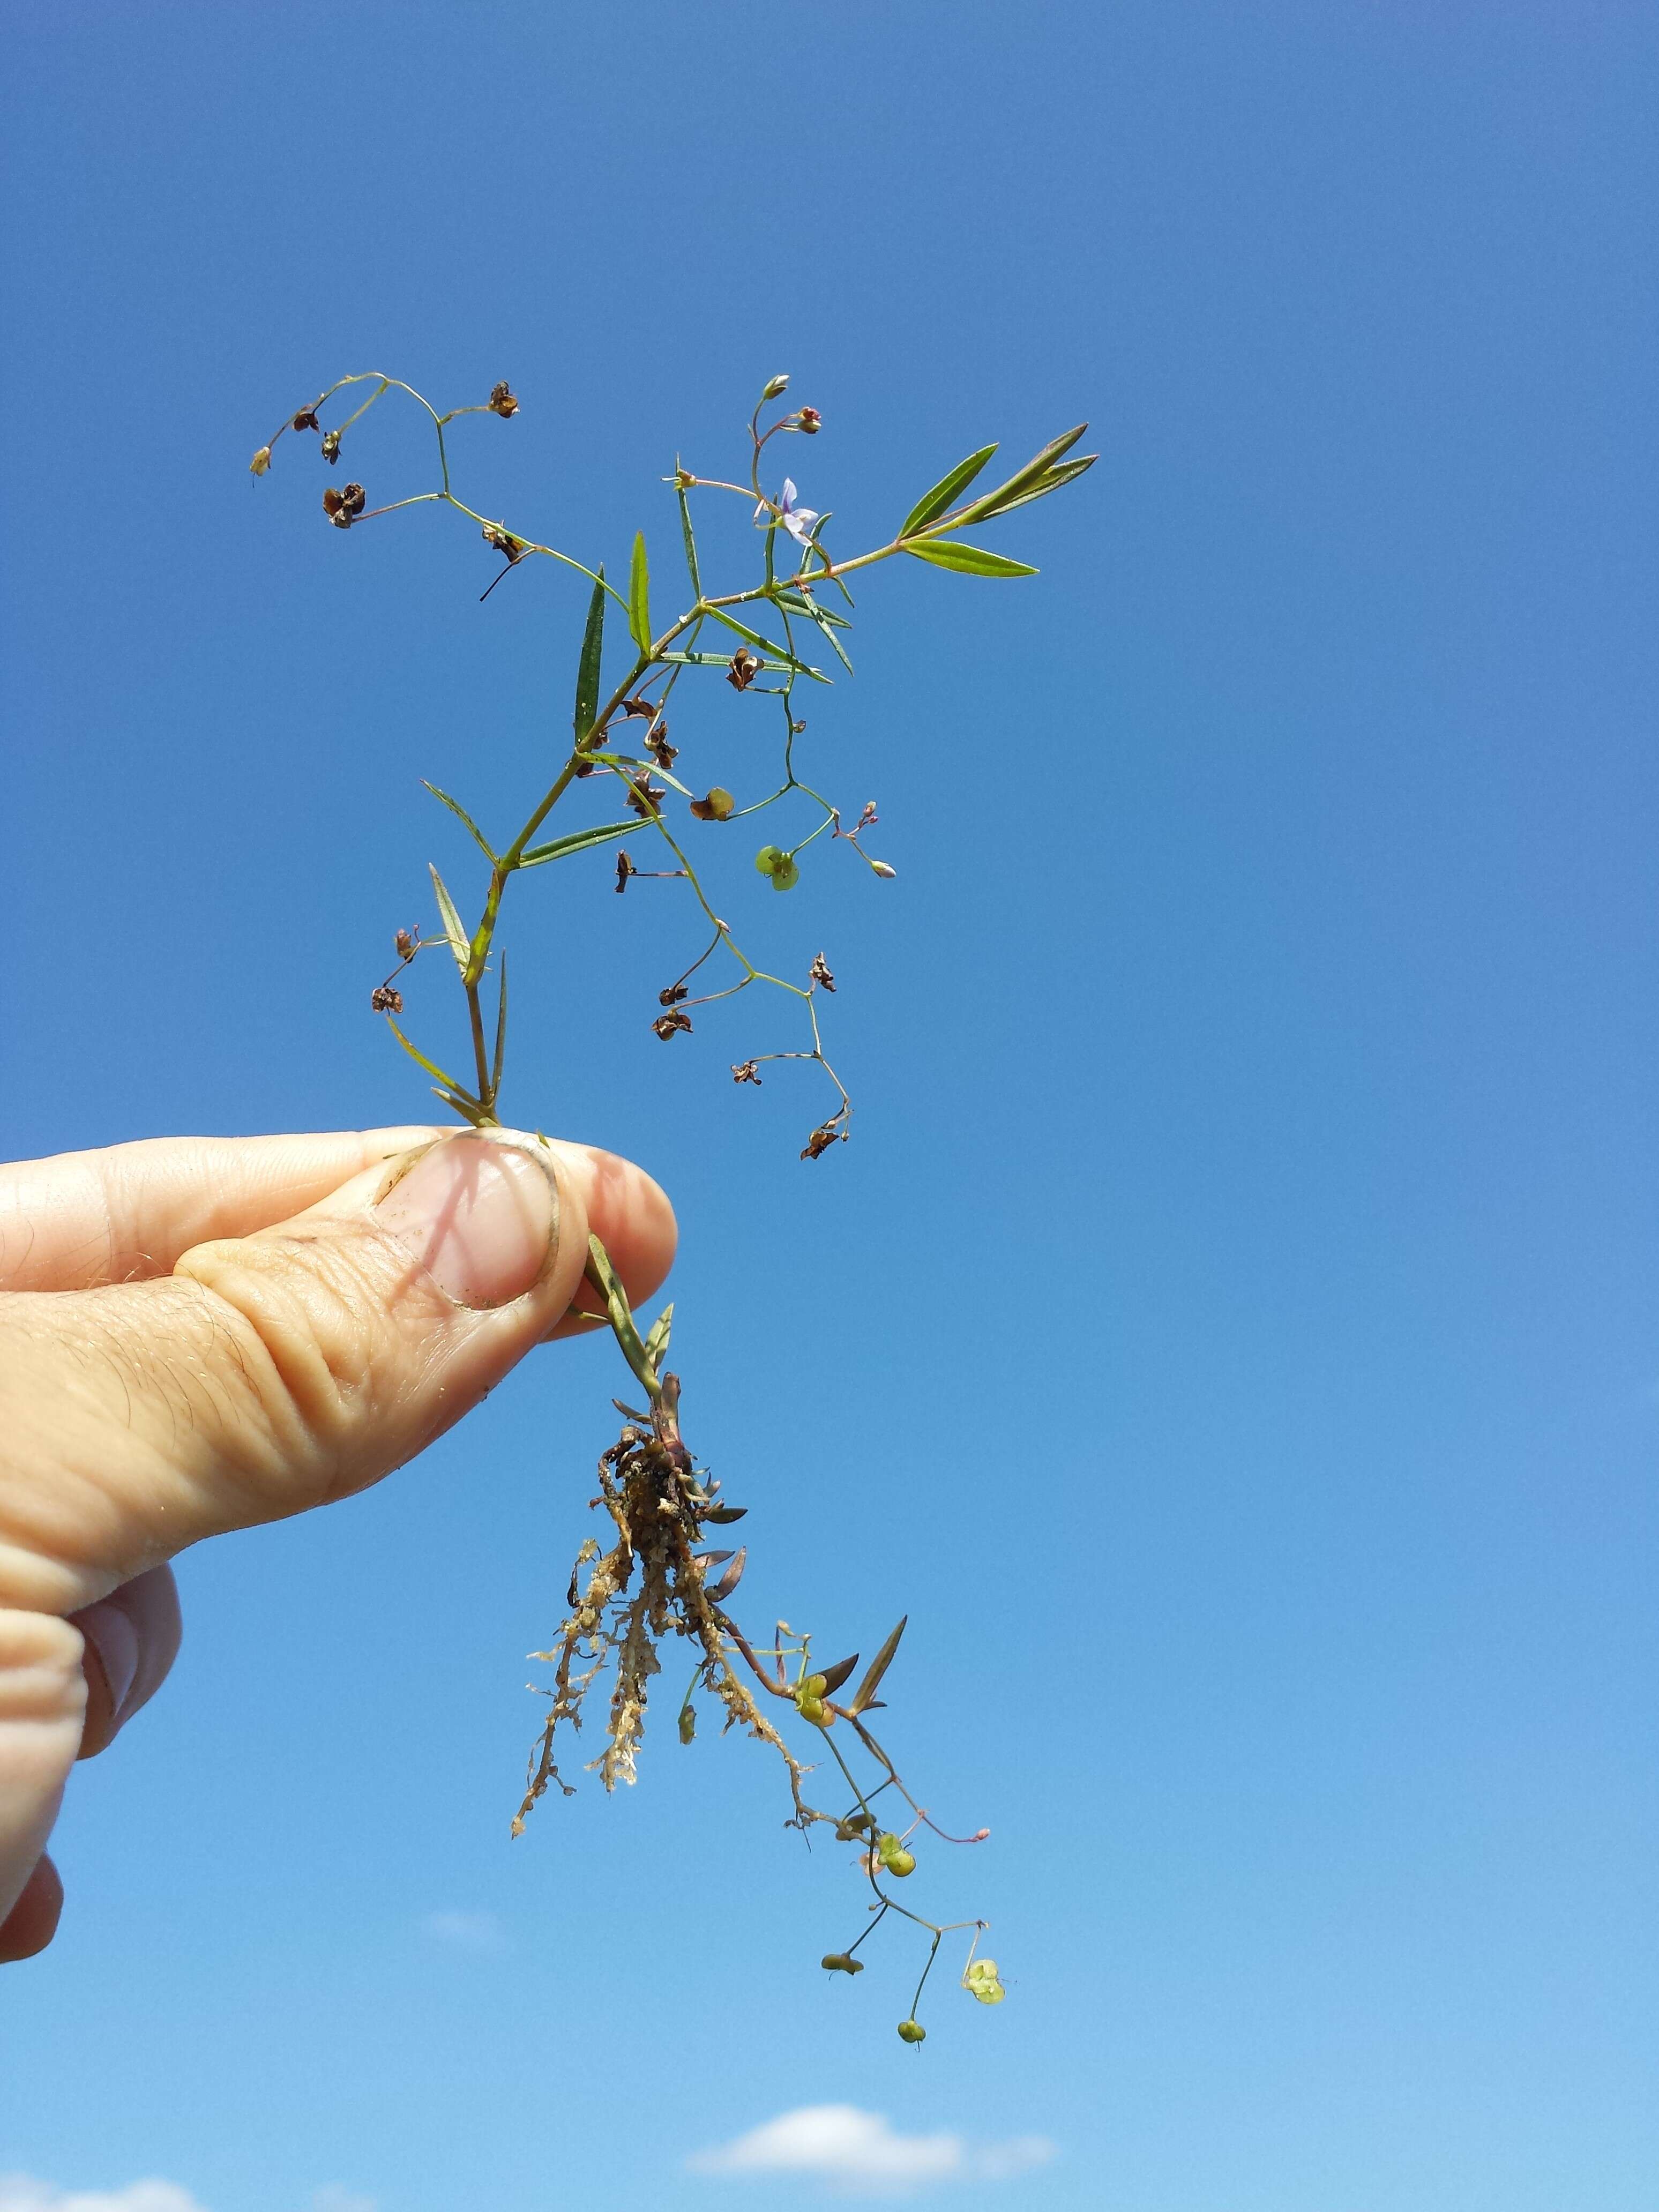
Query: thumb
275, 1372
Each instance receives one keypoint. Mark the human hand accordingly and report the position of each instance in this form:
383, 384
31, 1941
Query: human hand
199, 1335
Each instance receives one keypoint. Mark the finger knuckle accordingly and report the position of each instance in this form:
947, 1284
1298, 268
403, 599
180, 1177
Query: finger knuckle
303, 1339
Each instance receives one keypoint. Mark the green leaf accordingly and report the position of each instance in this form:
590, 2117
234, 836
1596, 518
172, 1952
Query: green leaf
450, 1087
1068, 472
932, 504
816, 613
461, 815
451, 921
639, 595
587, 668
605, 1281
656, 1344
1005, 494
578, 842
877, 1668
796, 600
971, 560
765, 647
697, 659
501, 1037
691, 542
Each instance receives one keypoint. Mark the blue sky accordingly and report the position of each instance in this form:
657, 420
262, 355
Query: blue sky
1232, 1334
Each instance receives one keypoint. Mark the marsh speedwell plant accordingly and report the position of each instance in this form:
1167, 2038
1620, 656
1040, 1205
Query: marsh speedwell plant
658, 1576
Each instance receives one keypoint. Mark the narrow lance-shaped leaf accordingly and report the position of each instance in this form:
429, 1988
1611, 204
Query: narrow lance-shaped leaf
765, 647
578, 842
1068, 472
587, 667
605, 1279
639, 595
932, 504
971, 560
691, 542
656, 1343
796, 599
451, 921
461, 815
431, 1066
877, 1668
501, 1037
993, 503
809, 607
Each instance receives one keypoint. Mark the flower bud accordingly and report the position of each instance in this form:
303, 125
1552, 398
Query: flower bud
260, 462
331, 446
912, 2031
776, 387
882, 869
810, 421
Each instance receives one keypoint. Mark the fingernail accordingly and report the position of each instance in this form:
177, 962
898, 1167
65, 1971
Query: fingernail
114, 1643
481, 1218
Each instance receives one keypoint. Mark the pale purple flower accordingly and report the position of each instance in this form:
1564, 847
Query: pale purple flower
797, 520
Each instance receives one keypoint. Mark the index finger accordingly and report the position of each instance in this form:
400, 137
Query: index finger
80, 1220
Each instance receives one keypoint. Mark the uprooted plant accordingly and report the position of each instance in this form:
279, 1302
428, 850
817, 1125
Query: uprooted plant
659, 1578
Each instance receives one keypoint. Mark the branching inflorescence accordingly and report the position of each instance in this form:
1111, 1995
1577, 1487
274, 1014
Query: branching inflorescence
659, 1578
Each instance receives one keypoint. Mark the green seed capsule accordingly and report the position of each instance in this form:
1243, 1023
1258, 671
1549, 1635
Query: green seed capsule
816, 1685
913, 2031
901, 1863
843, 1962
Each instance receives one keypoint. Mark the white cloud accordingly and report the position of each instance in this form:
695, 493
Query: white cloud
333, 2198
19, 2194
861, 2154
461, 1931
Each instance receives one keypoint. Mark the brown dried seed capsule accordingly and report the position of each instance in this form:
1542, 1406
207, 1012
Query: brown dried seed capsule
407, 943
667, 1024
744, 668
821, 1139
498, 535
643, 795
819, 973
717, 805
625, 868
673, 996
385, 1001
501, 401
306, 420
745, 1071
